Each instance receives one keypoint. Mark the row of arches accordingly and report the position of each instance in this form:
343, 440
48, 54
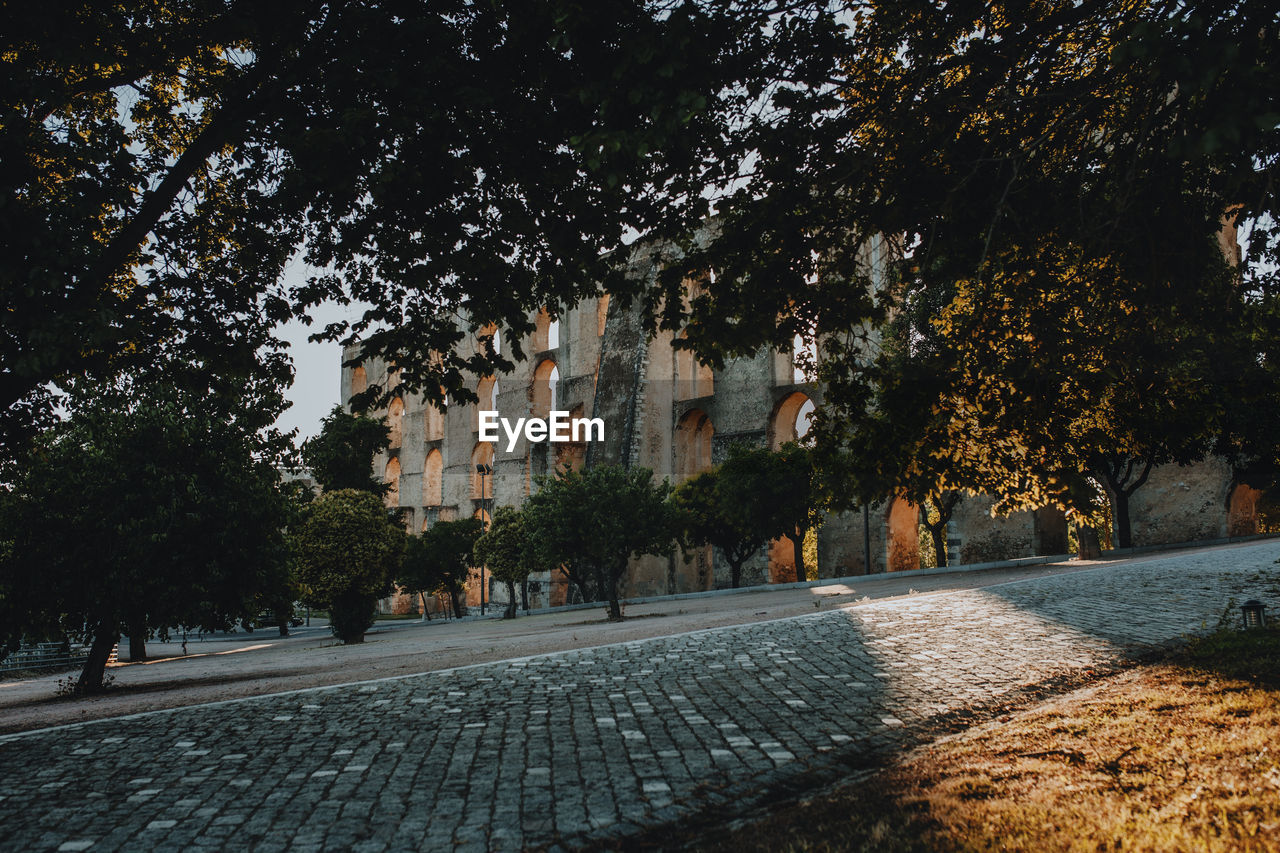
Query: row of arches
791, 421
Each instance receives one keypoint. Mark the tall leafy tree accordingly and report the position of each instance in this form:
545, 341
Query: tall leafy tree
600, 518
146, 509
166, 159
340, 456
753, 496
712, 513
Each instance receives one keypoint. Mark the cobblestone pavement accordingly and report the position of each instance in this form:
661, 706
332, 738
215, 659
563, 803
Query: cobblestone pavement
589, 746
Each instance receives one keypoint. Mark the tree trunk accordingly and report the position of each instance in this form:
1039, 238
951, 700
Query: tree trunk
1087, 538
939, 536
1124, 529
797, 550
457, 608
524, 594
510, 612
615, 608
603, 590
96, 666
735, 572
137, 641
426, 611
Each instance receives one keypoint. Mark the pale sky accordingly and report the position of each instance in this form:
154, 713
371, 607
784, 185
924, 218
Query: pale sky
317, 367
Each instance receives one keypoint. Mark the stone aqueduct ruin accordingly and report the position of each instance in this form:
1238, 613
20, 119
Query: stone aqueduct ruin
666, 412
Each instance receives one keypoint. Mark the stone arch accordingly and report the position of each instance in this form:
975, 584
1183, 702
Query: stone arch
1242, 510
490, 331
359, 381
902, 535
542, 393
487, 391
486, 400
694, 432
391, 477
546, 332
433, 479
791, 420
804, 358
395, 422
482, 455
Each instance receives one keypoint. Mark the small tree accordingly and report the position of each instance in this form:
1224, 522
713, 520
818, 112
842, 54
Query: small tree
347, 548
505, 549
341, 455
709, 516
792, 496
754, 496
602, 518
441, 558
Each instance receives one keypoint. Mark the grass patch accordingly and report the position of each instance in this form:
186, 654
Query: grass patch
1180, 755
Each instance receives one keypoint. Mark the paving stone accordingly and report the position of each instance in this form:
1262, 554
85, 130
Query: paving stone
588, 746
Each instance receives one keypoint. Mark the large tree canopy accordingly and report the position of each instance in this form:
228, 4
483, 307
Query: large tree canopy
1060, 183
1029, 161
147, 509
166, 159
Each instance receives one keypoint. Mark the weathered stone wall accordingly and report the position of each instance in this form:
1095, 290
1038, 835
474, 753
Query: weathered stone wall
665, 412
1183, 503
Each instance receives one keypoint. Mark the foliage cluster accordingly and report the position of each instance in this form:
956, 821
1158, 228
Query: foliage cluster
347, 549
147, 508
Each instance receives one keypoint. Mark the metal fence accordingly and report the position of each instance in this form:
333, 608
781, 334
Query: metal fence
49, 656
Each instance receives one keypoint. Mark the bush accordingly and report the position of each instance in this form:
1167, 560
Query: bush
347, 548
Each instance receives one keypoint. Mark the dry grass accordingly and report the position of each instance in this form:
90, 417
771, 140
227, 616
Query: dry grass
1183, 755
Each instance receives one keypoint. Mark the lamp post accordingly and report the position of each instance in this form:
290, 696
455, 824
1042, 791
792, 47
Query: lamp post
484, 471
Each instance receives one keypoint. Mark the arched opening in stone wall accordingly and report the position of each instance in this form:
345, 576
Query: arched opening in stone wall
433, 479
902, 535
487, 391
359, 381
694, 432
790, 422
804, 358
391, 476
487, 401
571, 454
693, 444
1242, 510
792, 418
546, 332
546, 377
482, 455
492, 336
395, 423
